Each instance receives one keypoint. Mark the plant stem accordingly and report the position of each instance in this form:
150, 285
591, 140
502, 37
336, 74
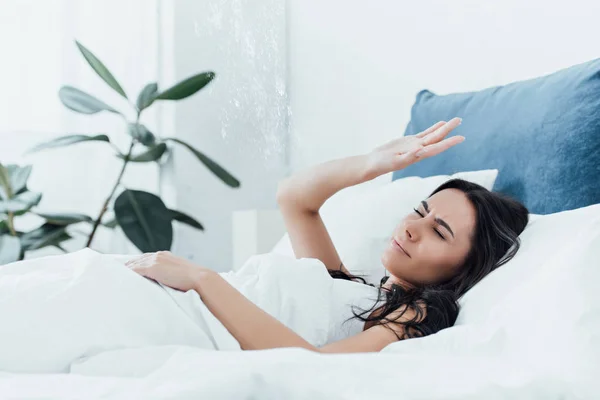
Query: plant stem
107, 201
11, 224
115, 147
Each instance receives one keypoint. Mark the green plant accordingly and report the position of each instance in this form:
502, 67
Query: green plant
142, 216
17, 200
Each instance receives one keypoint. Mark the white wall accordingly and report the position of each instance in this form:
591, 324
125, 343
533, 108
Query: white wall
356, 66
351, 69
38, 56
239, 120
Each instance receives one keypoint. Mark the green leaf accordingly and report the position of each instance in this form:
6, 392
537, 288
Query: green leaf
58, 246
46, 235
67, 141
145, 220
146, 96
152, 154
111, 224
18, 177
186, 219
21, 202
82, 102
18, 213
101, 69
65, 218
187, 87
215, 168
10, 249
6, 191
141, 134
3, 226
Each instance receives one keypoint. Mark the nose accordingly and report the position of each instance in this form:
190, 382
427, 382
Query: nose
411, 231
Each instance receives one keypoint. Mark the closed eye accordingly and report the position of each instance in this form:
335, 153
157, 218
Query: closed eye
435, 230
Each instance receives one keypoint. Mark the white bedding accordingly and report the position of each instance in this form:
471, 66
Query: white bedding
61, 309
540, 341
298, 374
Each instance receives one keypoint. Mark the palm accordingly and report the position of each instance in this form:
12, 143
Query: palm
400, 153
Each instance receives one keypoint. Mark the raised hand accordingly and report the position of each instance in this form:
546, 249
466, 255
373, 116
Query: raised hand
402, 152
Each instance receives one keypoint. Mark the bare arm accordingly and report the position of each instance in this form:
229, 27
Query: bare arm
301, 196
255, 329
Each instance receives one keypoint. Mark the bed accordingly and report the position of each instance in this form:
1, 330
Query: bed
529, 330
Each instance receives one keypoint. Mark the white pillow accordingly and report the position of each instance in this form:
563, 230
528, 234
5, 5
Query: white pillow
544, 239
535, 320
361, 219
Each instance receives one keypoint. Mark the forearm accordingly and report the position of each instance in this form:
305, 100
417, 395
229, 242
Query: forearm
252, 327
309, 189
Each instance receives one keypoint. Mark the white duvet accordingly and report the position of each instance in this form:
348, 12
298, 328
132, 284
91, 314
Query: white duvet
544, 348
64, 309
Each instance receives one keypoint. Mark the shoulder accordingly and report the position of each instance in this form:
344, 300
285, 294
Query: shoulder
392, 328
429, 315
404, 320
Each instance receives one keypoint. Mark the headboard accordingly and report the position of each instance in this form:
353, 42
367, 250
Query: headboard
543, 135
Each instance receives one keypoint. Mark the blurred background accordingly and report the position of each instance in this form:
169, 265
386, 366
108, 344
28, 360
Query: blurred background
297, 83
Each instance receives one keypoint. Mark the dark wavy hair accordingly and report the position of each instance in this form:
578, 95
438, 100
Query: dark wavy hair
495, 240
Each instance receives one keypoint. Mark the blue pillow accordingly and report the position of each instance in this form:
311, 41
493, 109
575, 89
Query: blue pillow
543, 135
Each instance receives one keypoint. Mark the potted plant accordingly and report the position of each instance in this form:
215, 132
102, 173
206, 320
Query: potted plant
17, 200
143, 216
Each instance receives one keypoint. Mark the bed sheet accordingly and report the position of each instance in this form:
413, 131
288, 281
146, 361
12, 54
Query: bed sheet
178, 372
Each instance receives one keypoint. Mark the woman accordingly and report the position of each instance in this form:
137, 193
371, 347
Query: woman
450, 242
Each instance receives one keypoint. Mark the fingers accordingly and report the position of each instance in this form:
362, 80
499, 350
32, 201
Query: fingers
139, 261
404, 160
430, 129
134, 260
139, 270
140, 257
431, 145
437, 148
440, 133
143, 268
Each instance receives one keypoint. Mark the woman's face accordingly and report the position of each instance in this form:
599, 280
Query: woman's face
436, 240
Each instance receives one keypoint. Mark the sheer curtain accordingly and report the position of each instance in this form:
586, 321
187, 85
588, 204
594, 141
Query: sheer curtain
38, 56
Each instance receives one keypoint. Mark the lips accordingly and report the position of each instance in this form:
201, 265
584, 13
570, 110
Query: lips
399, 246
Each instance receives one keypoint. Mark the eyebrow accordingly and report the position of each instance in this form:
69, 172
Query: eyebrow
438, 220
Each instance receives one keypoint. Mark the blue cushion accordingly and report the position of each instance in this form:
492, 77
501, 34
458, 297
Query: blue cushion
543, 135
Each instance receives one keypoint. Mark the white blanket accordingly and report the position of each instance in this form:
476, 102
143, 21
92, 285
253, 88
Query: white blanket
543, 348
64, 309
189, 373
